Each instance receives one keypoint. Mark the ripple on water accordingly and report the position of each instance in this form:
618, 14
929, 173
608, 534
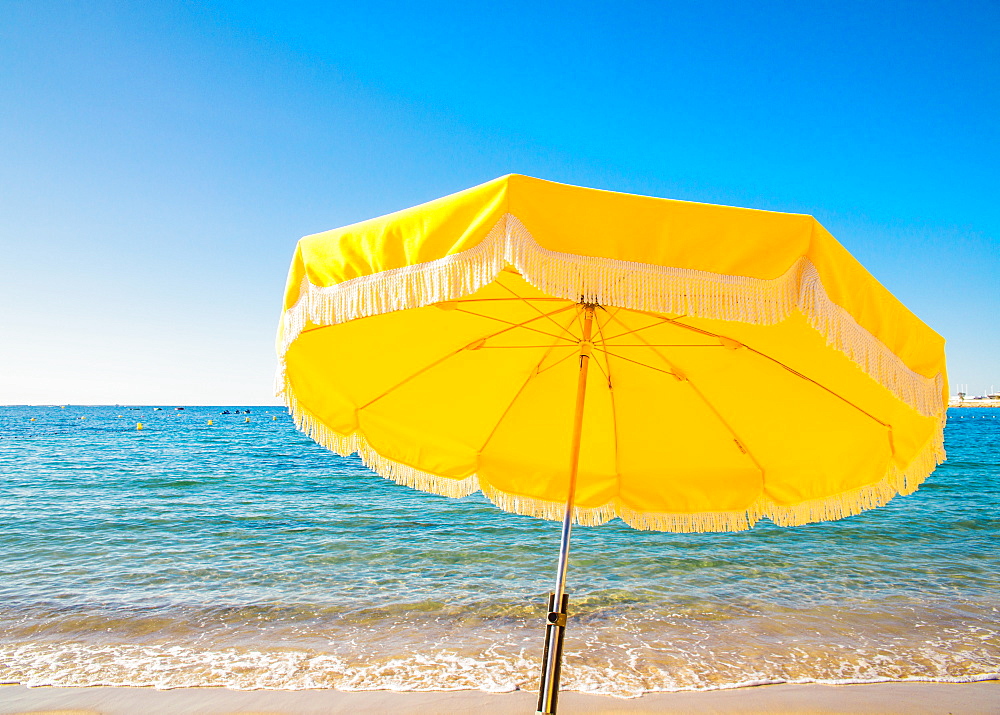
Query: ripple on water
244, 555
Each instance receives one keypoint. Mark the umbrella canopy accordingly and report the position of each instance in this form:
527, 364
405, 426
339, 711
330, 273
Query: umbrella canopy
742, 363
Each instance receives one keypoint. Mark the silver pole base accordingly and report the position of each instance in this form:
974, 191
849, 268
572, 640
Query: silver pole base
555, 631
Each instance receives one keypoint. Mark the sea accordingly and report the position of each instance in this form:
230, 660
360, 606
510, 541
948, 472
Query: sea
219, 546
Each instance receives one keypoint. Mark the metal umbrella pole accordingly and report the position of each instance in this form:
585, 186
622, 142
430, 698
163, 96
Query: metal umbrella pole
555, 630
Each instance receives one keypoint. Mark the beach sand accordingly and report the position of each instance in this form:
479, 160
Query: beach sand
881, 698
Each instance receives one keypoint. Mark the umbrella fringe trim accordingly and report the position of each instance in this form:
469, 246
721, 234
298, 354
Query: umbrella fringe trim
613, 282
838, 506
397, 472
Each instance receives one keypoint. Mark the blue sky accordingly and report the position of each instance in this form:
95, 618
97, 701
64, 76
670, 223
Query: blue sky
158, 161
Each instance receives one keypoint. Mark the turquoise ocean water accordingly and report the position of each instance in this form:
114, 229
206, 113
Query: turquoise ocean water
242, 554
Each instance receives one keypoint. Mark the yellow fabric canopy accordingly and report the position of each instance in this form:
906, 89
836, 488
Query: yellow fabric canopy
743, 363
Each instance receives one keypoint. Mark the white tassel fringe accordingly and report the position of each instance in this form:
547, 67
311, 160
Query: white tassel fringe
838, 506
629, 285
610, 282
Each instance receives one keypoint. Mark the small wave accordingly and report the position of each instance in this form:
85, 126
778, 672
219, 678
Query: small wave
491, 670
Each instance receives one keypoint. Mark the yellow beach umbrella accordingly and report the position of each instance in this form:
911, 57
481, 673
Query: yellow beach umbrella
583, 355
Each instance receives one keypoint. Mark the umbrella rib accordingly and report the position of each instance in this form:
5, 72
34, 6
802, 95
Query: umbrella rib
524, 385
536, 308
622, 357
560, 360
604, 372
579, 320
416, 374
741, 444
673, 321
646, 327
646, 343
453, 354
523, 324
819, 385
611, 395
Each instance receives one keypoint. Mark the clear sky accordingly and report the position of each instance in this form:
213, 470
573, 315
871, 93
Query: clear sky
158, 160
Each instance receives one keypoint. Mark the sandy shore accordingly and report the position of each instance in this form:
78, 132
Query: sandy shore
882, 698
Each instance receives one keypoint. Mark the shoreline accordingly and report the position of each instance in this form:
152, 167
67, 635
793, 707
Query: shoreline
909, 698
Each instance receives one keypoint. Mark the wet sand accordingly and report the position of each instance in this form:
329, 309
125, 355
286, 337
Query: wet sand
881, 698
